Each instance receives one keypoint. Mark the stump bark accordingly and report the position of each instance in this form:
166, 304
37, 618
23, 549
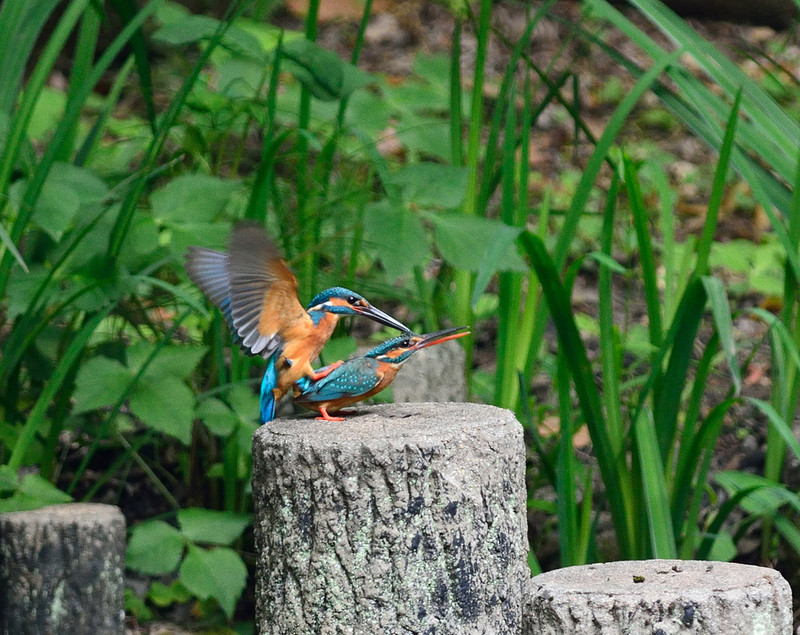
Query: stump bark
62, 570
660, 597
405, 518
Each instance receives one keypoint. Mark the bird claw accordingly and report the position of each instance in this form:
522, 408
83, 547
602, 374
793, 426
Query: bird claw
324, 372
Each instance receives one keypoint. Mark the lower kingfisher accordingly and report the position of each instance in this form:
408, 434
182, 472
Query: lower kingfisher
257, 293
347, 383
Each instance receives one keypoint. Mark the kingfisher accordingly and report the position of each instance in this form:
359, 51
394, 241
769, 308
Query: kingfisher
344, 384
256, 291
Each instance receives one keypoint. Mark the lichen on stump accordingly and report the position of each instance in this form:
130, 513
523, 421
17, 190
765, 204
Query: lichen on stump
404, 518
62, 570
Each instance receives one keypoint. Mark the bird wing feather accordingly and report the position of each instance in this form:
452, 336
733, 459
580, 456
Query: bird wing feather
353, 378
263, 291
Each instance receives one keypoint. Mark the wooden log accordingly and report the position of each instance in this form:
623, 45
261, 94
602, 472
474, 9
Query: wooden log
62, 570
405, 518
660, 597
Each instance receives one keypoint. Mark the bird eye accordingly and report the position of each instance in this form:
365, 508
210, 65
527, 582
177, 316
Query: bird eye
405, 343
352, 300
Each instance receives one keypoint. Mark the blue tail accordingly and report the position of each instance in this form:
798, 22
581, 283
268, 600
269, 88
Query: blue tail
269, 382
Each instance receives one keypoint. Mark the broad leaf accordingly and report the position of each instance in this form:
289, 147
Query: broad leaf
100, 382
431, 185
215, 527
467, 242
217, 417
323, 72
396, 237
154, 548
216, 573
33, 492
165, 404
177, 361
192, 198
194, 28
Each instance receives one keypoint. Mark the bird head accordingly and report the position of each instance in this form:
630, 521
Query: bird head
400, 348
341, 301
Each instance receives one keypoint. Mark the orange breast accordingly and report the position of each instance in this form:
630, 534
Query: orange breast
304, 341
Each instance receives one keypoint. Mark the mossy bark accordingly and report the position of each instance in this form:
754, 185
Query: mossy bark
407, 518
62, 570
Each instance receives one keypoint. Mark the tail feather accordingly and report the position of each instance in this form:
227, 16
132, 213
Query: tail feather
268, 385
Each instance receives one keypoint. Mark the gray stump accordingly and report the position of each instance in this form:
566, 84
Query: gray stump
660, 597
405, 518
62, 570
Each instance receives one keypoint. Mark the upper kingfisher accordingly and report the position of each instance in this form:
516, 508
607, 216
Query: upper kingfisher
344, 384
257, 293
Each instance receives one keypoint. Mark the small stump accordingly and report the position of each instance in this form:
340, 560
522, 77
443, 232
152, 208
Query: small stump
62, 570
404, 518
660, 597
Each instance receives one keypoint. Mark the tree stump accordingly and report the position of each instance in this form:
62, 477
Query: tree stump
660, 597
421, 379
62, 570
405, 518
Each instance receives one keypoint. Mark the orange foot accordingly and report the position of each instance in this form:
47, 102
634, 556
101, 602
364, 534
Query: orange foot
324, 372
326, 417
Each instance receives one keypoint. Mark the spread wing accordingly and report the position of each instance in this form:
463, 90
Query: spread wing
208, 269
353, 378
263, 291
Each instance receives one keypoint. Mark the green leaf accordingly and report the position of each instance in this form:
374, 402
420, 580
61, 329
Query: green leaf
431, 185
765, 499
216, 573
721, 311
323, 72
472, 243
217, 417
163, 595
56, 208
396, 237
778, 424
192, 198
215, 527
426, 135
165, 404
8, 479
155, 548
43, 490
33, 492
194, 28
662, 538
100, 382
176, 361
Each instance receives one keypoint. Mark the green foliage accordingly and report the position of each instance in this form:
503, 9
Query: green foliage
158, 548
411, 190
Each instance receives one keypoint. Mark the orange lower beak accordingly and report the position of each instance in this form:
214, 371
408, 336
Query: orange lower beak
442, 336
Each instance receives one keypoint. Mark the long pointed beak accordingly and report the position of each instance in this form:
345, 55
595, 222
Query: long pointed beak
437, 337
383, 318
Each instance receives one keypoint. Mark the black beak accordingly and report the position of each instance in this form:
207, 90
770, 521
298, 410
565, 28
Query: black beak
381, 317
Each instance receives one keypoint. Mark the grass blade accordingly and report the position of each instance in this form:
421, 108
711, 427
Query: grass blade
618, 486
61, 372
662, 538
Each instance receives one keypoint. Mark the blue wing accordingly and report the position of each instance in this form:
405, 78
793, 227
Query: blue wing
353, 378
